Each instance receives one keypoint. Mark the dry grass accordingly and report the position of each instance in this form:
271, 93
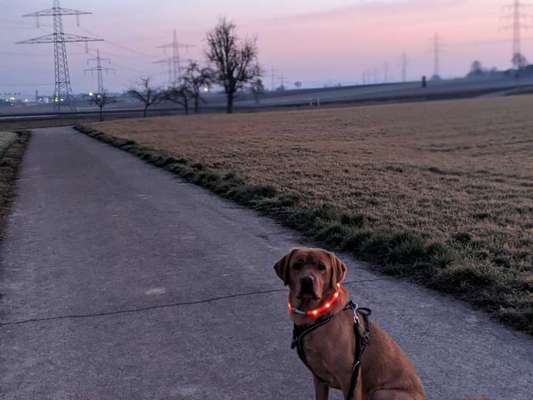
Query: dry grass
6, 140
28, 124
455, 173
12, 148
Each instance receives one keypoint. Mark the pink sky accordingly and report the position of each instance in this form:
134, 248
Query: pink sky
314, 41
334, 43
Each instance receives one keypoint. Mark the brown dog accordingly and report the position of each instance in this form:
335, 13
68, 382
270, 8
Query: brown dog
384, 373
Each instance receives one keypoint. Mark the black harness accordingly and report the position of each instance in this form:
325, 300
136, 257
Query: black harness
361, 340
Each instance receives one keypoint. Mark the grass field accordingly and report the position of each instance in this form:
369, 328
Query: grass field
440, 191
12, 146
6, 125
6, 140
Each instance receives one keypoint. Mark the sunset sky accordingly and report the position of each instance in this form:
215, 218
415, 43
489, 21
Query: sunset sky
314, 41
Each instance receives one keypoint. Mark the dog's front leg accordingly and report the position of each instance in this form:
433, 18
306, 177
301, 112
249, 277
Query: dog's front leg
321, 389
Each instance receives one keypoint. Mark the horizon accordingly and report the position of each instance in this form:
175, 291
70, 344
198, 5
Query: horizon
318, 43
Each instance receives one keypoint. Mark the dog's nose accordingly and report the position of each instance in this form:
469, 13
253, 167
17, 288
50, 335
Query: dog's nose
307, 283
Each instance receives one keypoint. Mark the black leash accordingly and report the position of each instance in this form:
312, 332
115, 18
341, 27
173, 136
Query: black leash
361, 340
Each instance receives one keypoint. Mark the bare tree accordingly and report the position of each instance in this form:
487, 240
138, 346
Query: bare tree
519, 61
146, 94
101, 100
179, 95
476, 70
257, 88
197, 79
235, 61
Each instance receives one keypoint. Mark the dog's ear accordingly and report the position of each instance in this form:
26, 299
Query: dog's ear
282, 267
338, 270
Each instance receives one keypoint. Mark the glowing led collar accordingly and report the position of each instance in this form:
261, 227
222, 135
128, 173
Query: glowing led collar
316, 312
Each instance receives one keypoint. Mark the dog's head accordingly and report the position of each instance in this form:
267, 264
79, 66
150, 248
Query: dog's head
311, 274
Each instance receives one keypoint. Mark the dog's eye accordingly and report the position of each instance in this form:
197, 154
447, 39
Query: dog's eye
321, 267
298, 266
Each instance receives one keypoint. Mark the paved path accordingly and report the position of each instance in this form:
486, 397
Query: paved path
118, 281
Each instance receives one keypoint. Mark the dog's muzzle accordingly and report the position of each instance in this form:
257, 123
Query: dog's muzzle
307, 285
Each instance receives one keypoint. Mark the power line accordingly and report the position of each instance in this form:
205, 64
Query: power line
63, 89
12, 24
120, 46
24, 84
115, 56
171, 79
15, 54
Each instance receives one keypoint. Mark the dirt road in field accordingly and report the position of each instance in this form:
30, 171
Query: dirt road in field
118, 281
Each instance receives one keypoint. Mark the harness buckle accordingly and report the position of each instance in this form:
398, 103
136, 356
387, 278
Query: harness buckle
356, 320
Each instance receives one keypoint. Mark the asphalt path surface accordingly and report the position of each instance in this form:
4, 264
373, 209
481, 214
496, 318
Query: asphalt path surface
119, 281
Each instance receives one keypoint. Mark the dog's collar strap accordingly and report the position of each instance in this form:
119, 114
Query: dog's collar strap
319, 311
361, 340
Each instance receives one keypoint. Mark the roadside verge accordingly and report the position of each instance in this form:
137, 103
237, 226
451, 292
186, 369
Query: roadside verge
12, 147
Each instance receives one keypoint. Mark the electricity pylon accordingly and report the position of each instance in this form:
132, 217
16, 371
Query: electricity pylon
436, 56
63, 89
174, 61
517, 15
404, 67
99, 69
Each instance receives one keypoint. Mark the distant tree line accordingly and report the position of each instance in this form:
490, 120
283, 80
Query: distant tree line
521, 67
232, 63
